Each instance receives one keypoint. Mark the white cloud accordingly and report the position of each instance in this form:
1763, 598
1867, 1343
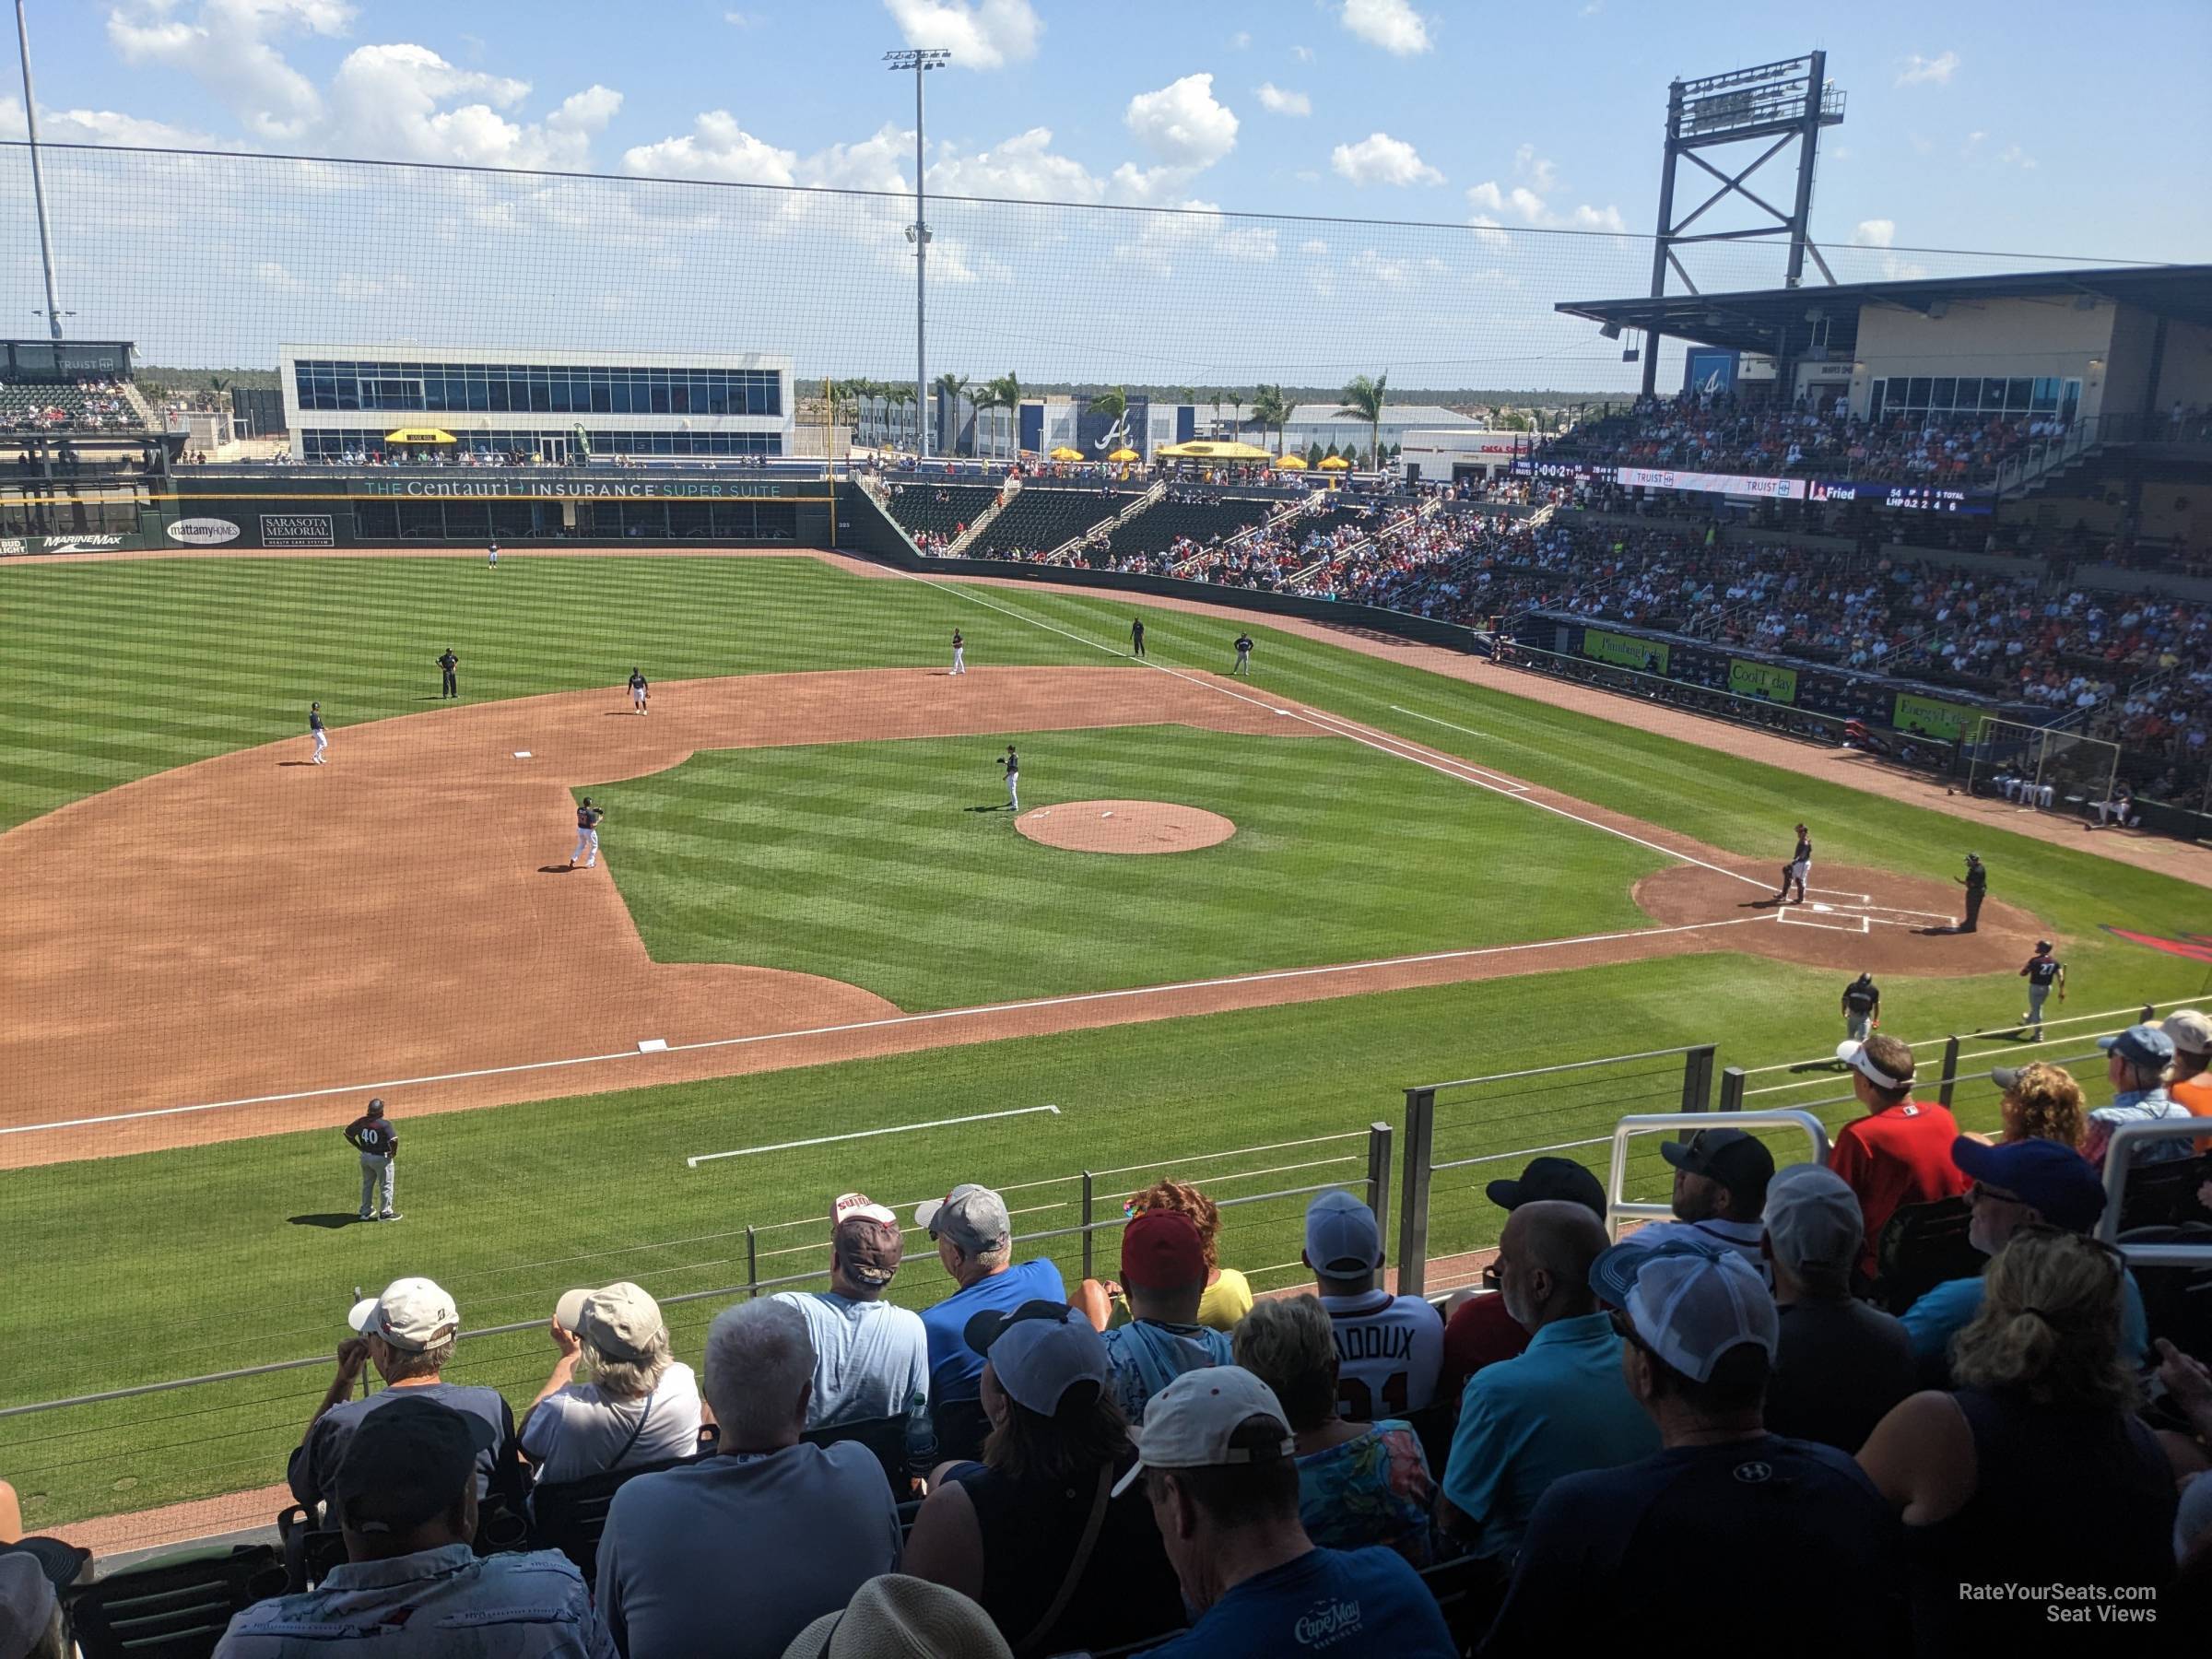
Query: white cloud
1183, 122
1488, 232
1873, 233
1022, 167
1278, 102
1973, 141
1196, 230
716, 147
1486, 196
874, 163
1527, 204
1537, 170
1390, 24
1935, 71
227, 48
2015, 156
980, 34
1608, 219
1921, 146
1240, 39
1304, 54
1313, 248
1372, 266
738, 20
1379, 159
1489, 199
105, 126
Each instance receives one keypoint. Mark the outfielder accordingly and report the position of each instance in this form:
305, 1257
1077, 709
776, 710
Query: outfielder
1243, 656
373, 1137
491, 555
1012, 765
959, 653
2043, 971
315, 730
638, 690
587, 834
1798, 868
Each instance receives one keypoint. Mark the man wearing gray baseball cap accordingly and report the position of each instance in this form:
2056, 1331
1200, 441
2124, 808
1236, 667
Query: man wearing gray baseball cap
1839, 1364
974, 1236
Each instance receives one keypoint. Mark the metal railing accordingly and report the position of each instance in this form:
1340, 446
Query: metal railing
2118, 1164
1619, 1207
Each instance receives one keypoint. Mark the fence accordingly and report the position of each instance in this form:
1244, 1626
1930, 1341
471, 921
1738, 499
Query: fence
2043, 766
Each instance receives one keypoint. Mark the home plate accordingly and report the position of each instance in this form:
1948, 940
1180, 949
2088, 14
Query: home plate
1823, 909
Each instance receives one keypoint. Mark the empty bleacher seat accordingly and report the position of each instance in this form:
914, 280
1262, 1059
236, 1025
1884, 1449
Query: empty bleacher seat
2165, 1194
926, 508
1039, 519
175, 1607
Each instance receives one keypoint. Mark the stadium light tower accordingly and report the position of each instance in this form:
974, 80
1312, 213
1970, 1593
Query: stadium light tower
1785, 101
921, 60
54, 312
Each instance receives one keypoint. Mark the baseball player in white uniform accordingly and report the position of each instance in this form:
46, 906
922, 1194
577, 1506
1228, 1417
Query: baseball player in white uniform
587, 834
638, 690
959, 653
1798, 868
1012, 765
491, 555
315, 729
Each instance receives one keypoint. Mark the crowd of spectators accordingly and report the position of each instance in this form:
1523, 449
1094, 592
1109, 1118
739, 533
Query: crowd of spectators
90, 405
1719, 433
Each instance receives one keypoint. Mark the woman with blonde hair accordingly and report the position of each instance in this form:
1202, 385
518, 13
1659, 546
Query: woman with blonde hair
1995, 1479
2041, 1102
1228, 1296
1357, 1483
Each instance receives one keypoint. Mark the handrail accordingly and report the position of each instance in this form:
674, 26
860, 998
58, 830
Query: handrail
1617, 1208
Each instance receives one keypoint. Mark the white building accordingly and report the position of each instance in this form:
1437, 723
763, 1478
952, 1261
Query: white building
1313, 423
1453, 453
341, 400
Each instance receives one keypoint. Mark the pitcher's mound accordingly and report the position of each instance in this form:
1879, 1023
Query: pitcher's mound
1124, 827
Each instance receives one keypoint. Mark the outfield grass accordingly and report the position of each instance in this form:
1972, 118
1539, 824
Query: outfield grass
192, 1261
894, 865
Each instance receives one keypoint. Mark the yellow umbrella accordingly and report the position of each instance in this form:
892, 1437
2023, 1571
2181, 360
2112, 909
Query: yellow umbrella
418, 435
1204, 448
1335, 463
1124, 454
1066, 453
1290, 463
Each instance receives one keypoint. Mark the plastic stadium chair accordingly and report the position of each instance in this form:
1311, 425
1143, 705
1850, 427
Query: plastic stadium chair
2177, 1301
175, 1607
1468, 1590
571, 1515
886, 1436
961, 1429
2164, 1194
1923, 1245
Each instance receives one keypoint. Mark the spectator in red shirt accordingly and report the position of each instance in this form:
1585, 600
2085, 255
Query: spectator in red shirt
1479, 1331
1901, 1152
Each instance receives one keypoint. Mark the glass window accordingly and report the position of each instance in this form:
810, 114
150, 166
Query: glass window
1943, 394
2018, 394
1993, 394
1916, 391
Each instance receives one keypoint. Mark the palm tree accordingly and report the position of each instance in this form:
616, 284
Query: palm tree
1269, 408
1111, 405
899, 395
1006, 394
949, 386
1363, 398
981, 397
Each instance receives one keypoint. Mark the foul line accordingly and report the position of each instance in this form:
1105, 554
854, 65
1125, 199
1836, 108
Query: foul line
889, 1021
823, 1140
1432, 720
1384, 742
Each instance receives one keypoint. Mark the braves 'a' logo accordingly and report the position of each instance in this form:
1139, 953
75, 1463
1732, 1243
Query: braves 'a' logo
2192, 947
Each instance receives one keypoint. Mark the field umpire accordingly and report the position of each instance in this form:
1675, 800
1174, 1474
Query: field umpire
1976, 883
373, 1135
447, 663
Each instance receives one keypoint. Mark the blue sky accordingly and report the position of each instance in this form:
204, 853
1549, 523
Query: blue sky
2007, 127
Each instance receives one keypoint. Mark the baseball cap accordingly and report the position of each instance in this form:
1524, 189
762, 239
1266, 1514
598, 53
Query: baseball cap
1189, 1424
1689, 1304
1737, 1161
2047, 1175
1341, 1235
620, 1321
2144, 1045
1161, 1251
412, 1314
1814, 1219
866, 1239
900, 1616
1853, 1055
972, 1217
1548, 1179
2188, 1030
406, 1463
1040, 1351
26, 1604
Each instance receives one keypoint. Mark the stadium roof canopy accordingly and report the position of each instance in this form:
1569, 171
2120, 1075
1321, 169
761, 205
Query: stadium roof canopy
1784, 322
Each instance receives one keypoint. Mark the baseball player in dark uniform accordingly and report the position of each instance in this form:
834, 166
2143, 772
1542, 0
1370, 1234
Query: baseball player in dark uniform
2043, 971
1862, 1007
587, 834
315, 729
373, 1137
959, 653
1012, 768
1976, 883
1798, 868
1136, 639
1243, 656
447, 663
639, 690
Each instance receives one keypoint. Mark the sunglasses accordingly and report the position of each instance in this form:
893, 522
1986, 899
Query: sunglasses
1981, 1190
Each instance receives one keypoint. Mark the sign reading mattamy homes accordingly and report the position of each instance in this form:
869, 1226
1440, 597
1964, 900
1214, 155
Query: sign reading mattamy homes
1625, 649
1770, 680
1951, 722
567, 487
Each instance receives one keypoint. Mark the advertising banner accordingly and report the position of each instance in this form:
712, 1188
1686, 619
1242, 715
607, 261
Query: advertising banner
1954, 723
1627, 650
1737, 484
297, 530
1769, 680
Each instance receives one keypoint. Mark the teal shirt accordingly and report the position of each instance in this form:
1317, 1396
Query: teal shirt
1946, 1311
1558, 1409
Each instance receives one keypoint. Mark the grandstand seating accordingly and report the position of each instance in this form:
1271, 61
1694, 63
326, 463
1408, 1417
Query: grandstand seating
922, 507
1039, 518
172, 1608
1177, 516
74, 407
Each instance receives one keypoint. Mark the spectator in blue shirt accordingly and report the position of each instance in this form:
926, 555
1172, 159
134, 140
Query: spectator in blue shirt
1220, 1469
1558, 1408
2015, 1184
1163, 1269
2140, 1064
871, 1359
974, 1238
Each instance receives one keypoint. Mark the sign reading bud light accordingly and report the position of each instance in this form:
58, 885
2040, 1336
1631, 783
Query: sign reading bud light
202, 532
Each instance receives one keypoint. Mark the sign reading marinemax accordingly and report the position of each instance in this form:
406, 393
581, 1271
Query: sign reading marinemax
584, 488
1737, 483
297, 530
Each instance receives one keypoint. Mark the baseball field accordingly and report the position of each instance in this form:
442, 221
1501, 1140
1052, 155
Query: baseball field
818, 952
